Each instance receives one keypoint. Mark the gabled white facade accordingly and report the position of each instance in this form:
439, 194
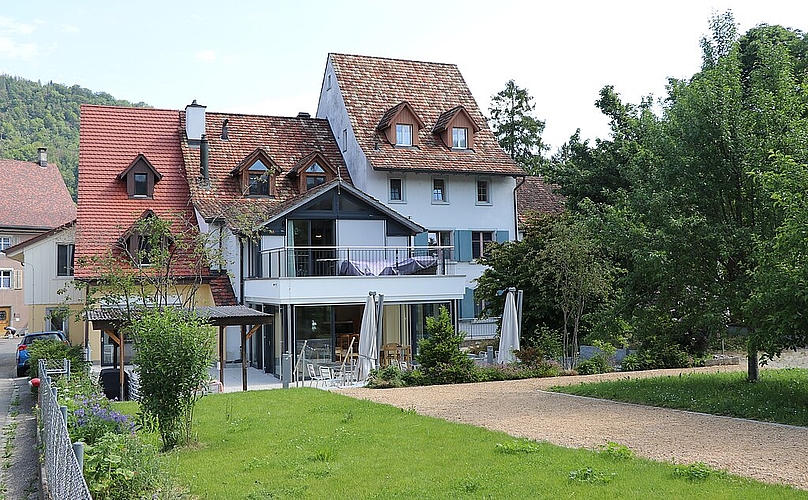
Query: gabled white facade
461, 215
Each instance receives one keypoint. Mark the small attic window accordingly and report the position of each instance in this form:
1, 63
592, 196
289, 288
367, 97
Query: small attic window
315, 175
140, 177
403, 134
259, 177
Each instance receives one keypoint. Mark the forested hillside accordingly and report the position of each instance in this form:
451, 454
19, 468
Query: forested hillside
34, 115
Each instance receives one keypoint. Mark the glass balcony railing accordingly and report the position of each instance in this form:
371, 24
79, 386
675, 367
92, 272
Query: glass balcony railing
301, 262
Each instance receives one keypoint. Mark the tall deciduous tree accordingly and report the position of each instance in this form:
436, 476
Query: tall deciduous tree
515, 127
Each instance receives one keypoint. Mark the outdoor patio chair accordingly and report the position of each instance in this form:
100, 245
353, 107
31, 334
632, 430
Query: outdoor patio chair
326, 375
403, 366
315, 379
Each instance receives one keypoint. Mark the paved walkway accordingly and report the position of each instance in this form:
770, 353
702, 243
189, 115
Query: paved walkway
767, 452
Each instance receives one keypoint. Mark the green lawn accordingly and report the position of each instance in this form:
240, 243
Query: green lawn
308, 443
780, 396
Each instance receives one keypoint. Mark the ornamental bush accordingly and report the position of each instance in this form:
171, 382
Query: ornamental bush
439, 355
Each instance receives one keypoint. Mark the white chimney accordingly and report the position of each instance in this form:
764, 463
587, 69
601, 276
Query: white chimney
43, 157
194, 122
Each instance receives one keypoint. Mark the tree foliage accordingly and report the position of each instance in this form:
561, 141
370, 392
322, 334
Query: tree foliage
33, 115
439, 355
515, 127
692, 193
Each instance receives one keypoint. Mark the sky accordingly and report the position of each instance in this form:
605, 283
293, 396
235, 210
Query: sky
268, 57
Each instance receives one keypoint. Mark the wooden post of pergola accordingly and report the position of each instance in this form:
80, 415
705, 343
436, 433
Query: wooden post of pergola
221, 355
244, 357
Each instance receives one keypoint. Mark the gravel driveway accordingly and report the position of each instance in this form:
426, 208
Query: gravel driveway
772, 453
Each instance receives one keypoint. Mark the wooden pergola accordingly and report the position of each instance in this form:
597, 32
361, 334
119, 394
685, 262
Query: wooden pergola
110, 320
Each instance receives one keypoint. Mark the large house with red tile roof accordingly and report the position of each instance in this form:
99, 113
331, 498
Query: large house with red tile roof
395, 187
34, 200
413, 136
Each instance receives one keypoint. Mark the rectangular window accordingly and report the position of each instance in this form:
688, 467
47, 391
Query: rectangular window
5, 278
396, 189
64, 259
459, 138
5, 242
141, 185
479, 242
483, 193
259, 185
438, 191
403, 134
344, 140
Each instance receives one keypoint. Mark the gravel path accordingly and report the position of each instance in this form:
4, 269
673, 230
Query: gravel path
768, 452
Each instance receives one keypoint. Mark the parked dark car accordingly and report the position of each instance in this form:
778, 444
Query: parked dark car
27, 340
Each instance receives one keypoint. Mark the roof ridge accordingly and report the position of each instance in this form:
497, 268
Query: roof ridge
312, 118
392, 59
137, 108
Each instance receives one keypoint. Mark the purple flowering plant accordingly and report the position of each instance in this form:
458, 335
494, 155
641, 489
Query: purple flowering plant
90, 416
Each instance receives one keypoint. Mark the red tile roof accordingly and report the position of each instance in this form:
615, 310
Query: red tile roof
33, 197
372, 86
110, 139
285, 140
535, 195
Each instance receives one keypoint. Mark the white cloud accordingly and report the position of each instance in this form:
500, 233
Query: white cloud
69, 28
9, 26
205, 55
10, 48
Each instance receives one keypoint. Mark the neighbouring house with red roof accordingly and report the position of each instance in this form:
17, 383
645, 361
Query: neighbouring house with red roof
534, 195
35, 201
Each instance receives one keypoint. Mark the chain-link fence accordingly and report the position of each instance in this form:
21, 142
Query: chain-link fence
64, 476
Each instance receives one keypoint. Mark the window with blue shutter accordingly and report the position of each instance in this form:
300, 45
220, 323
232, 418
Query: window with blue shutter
463, 245
502, 236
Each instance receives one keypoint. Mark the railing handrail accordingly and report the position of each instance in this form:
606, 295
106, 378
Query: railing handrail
359, 247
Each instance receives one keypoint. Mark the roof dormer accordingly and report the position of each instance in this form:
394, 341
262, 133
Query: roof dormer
312, 170
257, 174
401, 125
140, 177
456, 128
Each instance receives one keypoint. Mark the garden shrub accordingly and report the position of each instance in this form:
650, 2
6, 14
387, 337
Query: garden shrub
602, 362
439, 355
54, 352
657, 357
385, 378
173, 351
90, 417
122, 467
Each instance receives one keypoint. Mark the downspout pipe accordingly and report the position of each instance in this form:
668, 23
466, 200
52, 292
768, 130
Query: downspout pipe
204, 151
516, 208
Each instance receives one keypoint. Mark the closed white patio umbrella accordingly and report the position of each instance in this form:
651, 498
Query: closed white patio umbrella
509, 331
368, 347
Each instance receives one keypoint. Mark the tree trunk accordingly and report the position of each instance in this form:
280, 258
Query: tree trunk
753, 369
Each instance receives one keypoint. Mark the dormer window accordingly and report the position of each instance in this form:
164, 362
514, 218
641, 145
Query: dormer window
144, 246
315, 175
456, 128
403, 134
400, 125
459, 136
311, 171
257, 174
140, 177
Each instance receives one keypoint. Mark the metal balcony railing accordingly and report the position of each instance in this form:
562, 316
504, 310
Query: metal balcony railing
299, 262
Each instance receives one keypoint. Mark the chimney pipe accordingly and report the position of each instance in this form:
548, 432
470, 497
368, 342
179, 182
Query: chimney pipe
303, 114
42, 158
203, 157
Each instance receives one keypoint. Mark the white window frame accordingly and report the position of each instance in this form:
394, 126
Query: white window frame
344, 140
71, 248
487, 182
401, 192
456, 143
5, 242
444, 192
400, 128
6, 274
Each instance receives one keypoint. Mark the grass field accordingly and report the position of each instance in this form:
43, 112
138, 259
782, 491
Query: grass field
780, 396
308, 443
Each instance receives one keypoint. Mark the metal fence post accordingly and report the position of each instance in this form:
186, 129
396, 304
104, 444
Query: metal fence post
287, 369
78, 449
63, 411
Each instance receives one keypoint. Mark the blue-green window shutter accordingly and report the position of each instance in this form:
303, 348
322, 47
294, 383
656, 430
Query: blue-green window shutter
463, 245
467, 304
422, 239
502, 236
